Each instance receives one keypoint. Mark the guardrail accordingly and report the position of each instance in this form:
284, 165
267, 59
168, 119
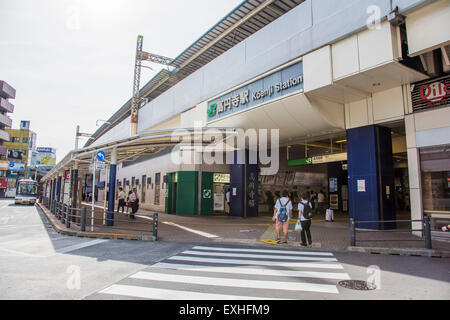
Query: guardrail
77, 218
426, 231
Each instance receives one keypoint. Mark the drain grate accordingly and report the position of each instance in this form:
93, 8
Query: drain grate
357, 285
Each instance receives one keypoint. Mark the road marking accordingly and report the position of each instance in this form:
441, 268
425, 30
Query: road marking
257, 256
166, 294
57, 251
200, 233
254, 271
259, 262
80, 246
237, 283
291, 252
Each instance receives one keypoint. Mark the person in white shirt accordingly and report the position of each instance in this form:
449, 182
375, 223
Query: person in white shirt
121, 197
283, 205
321, 199
134, 200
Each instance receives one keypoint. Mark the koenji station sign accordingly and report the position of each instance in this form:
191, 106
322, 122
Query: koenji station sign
258, 92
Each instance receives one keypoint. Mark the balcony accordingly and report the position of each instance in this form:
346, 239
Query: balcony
6, 91
6, 106
4, 136
7, 121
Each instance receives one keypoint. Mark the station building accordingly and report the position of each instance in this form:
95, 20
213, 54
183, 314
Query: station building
356, 91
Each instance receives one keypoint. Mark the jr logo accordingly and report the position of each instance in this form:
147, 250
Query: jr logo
212, 110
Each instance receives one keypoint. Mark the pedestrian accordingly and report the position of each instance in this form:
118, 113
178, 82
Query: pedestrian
134, 203
227, 196
282, 215
321, 202
121, 197
270, 201
304, 210
128, 201
313, 200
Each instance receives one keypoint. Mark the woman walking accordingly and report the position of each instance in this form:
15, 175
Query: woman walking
304, 217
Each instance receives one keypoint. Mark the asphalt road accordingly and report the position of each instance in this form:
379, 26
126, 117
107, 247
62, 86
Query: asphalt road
38, 263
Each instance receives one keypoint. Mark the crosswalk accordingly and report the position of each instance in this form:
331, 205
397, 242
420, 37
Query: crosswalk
224, 273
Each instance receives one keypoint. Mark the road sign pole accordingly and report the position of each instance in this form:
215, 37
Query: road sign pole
93, 195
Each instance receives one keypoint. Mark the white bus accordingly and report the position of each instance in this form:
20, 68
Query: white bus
26, 191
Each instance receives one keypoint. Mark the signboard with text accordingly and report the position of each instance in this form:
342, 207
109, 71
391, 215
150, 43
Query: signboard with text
430, 94
268, 88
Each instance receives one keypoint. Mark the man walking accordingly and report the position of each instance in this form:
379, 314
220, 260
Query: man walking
121, 197
282, 215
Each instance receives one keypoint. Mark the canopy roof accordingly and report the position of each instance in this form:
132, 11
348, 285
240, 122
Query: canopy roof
144, 144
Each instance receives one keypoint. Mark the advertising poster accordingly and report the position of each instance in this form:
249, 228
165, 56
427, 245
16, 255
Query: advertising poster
219, 202
16, 154
16, 166
334, 201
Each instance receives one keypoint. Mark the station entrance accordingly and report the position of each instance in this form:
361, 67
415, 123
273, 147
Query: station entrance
318, 167
321, 167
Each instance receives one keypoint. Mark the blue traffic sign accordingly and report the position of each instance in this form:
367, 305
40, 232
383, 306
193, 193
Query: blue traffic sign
101, 156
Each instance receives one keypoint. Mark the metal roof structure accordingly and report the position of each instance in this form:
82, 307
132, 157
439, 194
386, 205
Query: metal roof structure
146, 143
243, 21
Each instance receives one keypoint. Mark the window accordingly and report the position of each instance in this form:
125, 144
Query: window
25, 140
435, 167
157, 187
143, 187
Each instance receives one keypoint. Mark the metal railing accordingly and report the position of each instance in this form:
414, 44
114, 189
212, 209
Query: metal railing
426, 231
79, 218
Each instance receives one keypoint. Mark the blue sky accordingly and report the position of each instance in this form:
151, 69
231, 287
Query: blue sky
71, 61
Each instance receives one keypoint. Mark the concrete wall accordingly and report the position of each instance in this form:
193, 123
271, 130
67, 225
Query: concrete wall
382, 107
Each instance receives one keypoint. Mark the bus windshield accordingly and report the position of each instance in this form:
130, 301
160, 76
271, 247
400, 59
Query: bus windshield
27, 188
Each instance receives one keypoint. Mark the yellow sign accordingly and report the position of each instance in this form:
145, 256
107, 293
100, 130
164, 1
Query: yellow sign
4, 165
46, 160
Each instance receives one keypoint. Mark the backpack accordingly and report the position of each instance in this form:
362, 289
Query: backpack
307, 210
282, 213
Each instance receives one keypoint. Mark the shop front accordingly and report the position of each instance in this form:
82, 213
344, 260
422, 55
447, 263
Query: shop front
428, 132
435, 172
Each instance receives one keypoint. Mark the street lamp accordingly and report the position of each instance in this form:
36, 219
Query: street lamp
86, 135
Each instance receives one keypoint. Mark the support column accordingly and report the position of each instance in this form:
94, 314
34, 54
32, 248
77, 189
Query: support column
58, 188
371, 176
244, 187
112, 187
415, 183
50, 196
74, 186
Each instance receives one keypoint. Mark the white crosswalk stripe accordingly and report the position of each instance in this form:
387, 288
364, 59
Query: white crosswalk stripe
230, 273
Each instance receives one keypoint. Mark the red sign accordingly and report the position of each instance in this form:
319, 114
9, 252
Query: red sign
67, 175
430, 94
3, 183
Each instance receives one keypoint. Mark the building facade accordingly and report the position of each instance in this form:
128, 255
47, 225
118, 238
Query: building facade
20, 148
7, 92
355, 96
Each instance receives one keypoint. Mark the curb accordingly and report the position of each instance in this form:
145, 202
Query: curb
68, 232
413, 252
